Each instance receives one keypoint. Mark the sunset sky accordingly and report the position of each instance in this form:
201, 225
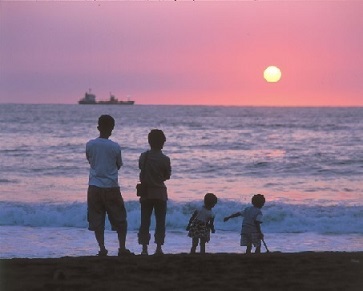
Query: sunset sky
183, 52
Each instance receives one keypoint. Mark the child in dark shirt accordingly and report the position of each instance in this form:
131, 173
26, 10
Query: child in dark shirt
201, 223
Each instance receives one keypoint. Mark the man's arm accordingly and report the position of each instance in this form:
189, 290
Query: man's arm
119, 160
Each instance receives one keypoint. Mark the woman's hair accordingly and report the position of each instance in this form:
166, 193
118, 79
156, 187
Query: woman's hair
258, 200
156, 139
210, 199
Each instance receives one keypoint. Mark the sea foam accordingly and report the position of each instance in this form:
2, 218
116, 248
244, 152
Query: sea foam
278, 217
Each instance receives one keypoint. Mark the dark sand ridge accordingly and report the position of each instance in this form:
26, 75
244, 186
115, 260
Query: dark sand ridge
273, 271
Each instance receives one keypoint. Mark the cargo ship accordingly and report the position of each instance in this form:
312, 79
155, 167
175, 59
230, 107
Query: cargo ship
90, 98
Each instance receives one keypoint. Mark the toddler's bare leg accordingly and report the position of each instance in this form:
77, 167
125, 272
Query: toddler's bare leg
202, 246
258, 250
249, 248
194, 245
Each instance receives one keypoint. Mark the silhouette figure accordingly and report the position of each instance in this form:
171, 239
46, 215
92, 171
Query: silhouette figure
202, 223
104, 196
155, 170
251, 233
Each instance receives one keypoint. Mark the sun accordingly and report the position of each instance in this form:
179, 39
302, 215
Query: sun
272, 74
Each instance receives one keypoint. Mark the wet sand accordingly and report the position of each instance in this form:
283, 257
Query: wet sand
273, 271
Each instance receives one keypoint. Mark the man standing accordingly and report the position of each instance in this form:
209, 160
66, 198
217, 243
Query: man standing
104, 195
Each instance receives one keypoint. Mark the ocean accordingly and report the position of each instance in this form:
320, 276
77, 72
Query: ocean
308, 162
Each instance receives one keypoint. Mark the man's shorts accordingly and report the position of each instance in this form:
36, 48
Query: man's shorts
105, 200
251, 239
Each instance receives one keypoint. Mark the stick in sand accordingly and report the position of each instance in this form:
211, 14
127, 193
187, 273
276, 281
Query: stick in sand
265, 246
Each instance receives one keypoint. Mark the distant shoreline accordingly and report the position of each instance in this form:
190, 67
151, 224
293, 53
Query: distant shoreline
221, 271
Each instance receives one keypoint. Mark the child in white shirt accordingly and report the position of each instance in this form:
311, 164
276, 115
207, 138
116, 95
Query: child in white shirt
251, 233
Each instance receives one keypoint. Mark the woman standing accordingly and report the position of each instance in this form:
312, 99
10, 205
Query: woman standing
155, 170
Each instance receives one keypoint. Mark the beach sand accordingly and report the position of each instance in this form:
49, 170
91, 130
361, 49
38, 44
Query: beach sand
273, 271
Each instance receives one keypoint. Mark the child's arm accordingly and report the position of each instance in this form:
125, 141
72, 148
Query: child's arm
258, 226
211, 225
191, 219
232, 216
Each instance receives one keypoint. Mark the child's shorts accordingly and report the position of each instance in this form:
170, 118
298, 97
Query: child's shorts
251, 239
198, 229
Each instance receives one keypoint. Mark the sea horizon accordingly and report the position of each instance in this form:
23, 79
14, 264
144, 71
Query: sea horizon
198, 105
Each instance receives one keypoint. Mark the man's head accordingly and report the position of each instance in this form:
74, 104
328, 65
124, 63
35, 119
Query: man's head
106, 124
156, 139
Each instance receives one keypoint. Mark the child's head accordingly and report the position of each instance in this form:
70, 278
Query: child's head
258, 200
210, 200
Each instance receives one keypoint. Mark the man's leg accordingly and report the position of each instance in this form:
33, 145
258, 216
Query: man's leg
117, 215
96, 215
100, 237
